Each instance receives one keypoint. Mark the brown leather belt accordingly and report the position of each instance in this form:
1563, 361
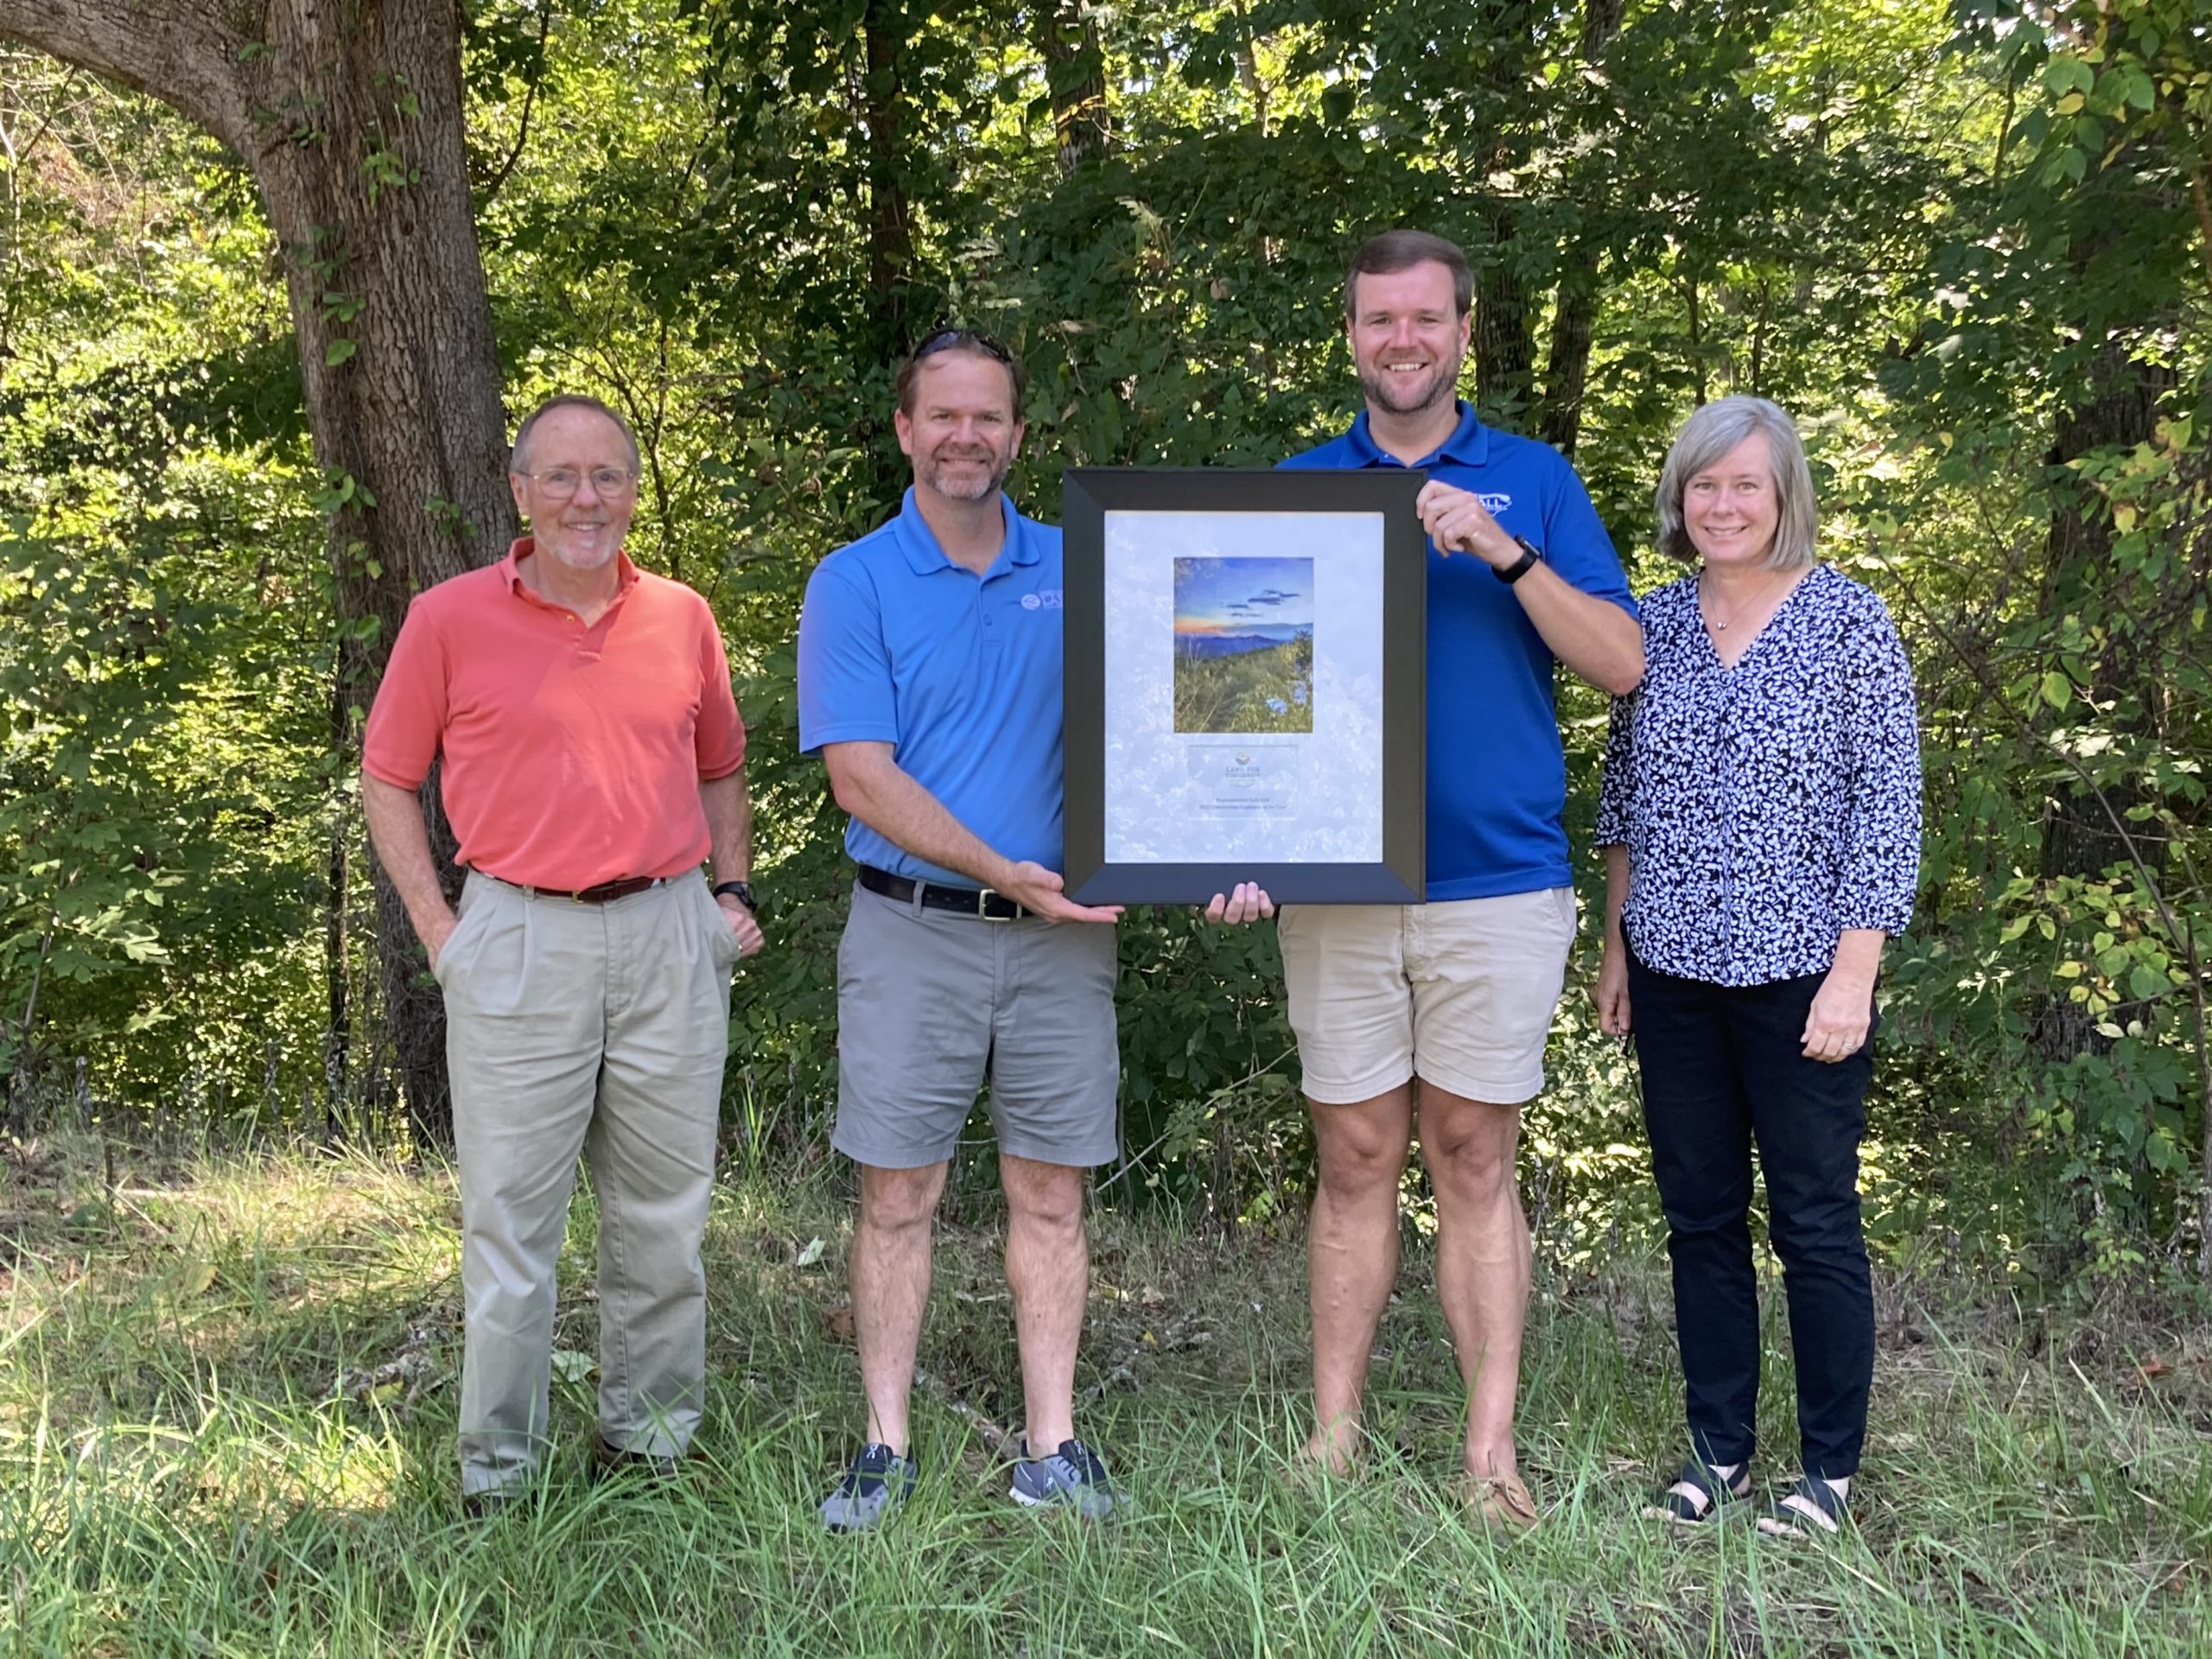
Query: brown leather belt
605, 893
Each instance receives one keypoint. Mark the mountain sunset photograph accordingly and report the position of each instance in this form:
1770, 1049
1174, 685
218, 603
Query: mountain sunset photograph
1243, 645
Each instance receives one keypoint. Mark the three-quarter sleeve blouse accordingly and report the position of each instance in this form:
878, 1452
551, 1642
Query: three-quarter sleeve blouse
1770, 806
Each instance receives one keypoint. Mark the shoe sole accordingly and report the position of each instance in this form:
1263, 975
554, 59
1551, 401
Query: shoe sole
842, 1528
1654, 1512
1070, 1505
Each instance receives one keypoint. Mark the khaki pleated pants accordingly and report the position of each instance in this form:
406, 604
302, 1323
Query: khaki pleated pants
598, 1029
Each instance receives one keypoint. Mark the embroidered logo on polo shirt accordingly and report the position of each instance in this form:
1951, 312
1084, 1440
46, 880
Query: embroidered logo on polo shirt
1045, 598
1494, 501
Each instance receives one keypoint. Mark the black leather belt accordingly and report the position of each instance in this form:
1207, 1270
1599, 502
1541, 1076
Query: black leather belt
605, 893
981, 902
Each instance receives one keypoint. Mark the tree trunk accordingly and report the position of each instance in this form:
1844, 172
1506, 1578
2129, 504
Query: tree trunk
1075, 73
1505, 375
884, 335
1697, 343
2121, 411
338, 1039
349, 117
1567, 376
2079, 836
1558, 420
890, 229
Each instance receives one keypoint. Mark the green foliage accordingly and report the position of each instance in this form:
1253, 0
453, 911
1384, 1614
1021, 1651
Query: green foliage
2057, 591
1953, 243
165, 775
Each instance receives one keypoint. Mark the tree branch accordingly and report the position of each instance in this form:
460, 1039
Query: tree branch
185, 53
2203, 216
528, 103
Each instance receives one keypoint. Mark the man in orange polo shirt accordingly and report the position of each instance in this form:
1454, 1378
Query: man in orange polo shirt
594, 760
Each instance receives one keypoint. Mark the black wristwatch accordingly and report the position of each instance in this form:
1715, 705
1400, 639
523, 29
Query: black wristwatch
1531, 557
742, 890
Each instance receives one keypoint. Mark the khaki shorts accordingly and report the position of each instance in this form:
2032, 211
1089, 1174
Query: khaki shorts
1459, 994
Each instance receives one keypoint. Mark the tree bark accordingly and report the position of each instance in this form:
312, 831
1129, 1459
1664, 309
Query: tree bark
890, 228
349, 116
884, 337
1075, 71
1567, 375
1505, 373
2121, 409
338, 1039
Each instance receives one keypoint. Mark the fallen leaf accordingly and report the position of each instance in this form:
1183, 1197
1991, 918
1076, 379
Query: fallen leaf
2154, 1368
572, 1366
838, 1322
812, 1253
194, 1277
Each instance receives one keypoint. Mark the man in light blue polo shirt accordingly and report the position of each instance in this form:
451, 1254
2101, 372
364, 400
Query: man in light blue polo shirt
929, 679
1458, 992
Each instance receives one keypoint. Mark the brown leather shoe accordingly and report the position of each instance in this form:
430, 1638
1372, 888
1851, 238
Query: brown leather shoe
609, 1462
482, 1506
1501, 1501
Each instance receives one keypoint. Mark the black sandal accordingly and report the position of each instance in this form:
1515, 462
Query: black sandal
1711, 1492
1783, 1519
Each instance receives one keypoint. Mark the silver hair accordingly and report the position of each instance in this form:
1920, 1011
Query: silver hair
1710, 434
518, 458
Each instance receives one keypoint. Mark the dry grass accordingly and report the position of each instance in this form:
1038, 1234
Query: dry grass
226, 1412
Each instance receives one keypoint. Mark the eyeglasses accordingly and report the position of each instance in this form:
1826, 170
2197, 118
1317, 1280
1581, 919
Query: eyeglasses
560, 482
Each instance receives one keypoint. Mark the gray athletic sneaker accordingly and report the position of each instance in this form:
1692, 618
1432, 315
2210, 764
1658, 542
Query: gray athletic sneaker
1072, 1478
877, 1483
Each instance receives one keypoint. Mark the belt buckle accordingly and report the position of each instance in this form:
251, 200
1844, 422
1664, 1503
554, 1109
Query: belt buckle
983, 896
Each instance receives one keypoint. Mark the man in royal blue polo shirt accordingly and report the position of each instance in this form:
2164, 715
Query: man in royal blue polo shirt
929, 677
1458, 992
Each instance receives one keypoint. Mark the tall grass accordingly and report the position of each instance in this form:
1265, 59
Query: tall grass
226, 1397
1265, 690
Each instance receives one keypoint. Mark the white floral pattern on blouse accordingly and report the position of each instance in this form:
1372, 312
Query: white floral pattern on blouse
1770, 806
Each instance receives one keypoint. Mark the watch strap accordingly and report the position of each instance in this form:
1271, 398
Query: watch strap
743, 891
1531, 557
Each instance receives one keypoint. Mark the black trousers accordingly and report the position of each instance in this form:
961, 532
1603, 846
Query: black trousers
1723, 1070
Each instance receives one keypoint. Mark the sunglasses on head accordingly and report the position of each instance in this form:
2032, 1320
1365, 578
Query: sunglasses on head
946, 340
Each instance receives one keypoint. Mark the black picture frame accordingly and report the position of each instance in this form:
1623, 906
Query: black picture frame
1087, 494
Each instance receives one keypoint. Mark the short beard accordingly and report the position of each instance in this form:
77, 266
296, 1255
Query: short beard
1384, 391
555, 553
932, 474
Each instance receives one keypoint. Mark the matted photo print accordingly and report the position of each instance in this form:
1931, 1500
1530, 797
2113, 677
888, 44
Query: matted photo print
1243, 645
1245, 691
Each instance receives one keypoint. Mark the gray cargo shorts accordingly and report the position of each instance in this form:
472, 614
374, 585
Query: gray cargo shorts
930, 1002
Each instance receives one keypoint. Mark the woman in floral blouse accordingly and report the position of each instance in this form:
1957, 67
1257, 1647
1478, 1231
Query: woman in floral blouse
1761, 825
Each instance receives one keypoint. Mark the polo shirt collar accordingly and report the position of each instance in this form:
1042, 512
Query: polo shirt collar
1468, 446
919, 541
523, 547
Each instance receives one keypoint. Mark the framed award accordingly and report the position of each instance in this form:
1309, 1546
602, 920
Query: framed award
1246, 695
